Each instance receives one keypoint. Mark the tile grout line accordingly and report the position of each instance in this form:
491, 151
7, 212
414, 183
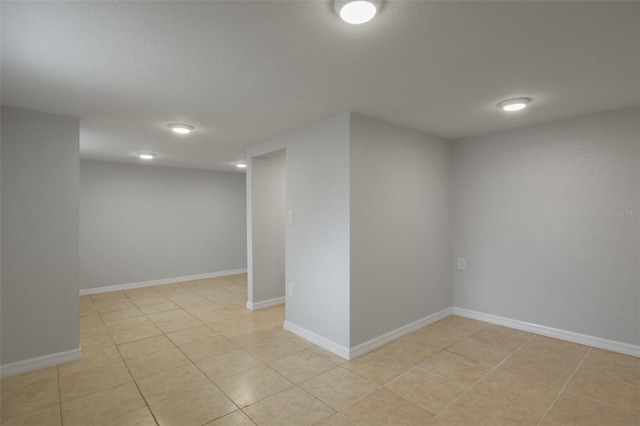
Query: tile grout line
471, 387
216, 385
115, 362
264, 364
319, 400
223, 392
436, 415
197, 367
133, 378
607, 404
192, 363
363, 378
131, 374
485, 375
564, 386
60, 393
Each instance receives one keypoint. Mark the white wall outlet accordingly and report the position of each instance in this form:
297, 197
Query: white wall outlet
290, 217
462, 263
292, 290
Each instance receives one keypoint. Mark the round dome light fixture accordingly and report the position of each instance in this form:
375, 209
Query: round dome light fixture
357, 11
146, 155
181, 129
515, 104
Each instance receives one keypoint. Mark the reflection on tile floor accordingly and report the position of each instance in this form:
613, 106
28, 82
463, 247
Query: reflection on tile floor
191, 354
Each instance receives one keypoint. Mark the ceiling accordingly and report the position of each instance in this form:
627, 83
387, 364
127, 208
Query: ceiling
242, 72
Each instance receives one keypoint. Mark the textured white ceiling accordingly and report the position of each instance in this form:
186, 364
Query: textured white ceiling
242, 72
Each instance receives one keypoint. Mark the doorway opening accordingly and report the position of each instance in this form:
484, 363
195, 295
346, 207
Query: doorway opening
267, 230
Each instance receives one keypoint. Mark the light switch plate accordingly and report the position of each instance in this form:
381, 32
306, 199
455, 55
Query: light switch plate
462, 263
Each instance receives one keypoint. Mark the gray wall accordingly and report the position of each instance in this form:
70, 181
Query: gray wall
268, 224
317, 244
400, 230
39, 265
143, 223
536, 217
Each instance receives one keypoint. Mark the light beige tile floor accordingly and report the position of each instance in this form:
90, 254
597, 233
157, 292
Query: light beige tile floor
191, 354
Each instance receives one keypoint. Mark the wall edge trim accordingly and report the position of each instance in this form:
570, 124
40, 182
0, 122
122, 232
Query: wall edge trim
31, 364
265, 303
142, 284
376, 342
323, 342
570, 336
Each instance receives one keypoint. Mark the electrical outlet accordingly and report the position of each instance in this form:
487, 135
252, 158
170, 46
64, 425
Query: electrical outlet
462, 263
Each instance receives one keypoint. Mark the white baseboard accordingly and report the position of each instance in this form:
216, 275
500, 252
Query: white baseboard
265, 304
19, 367
363, 348
583, 339
323, 342
385, 338
131, 286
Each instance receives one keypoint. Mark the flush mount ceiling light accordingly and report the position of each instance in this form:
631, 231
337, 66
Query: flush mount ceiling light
356, 11
241, 165
181, 129
515, 104
146, 155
